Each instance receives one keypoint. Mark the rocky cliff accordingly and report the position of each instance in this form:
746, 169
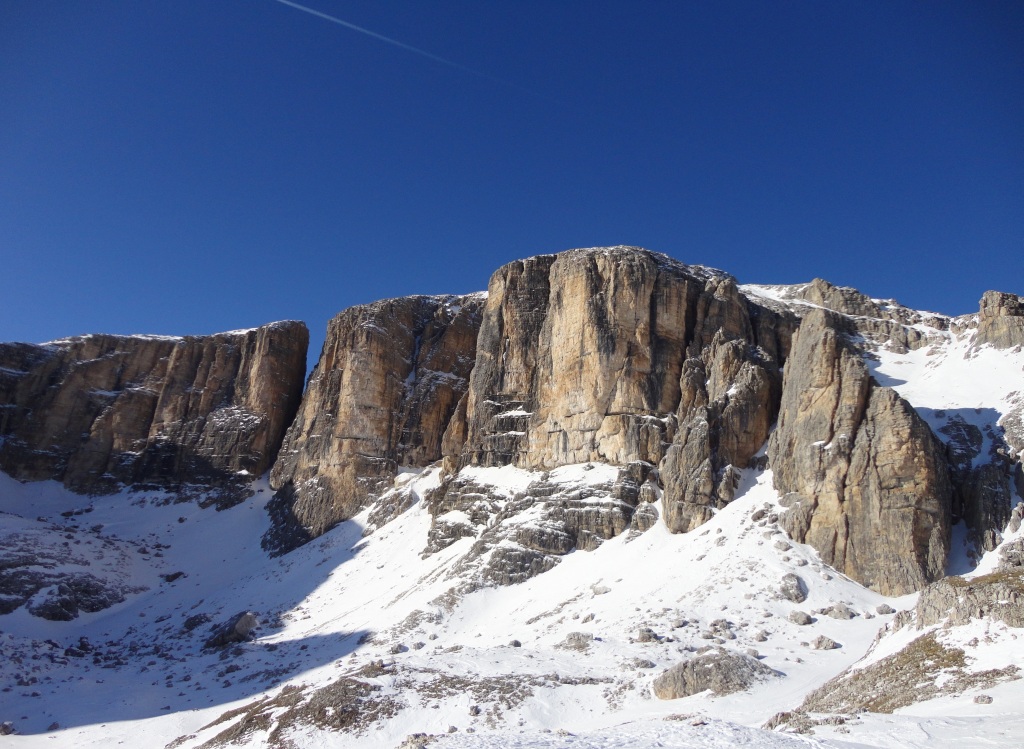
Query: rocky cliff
388, 380
864, 477
101, 411
666, 378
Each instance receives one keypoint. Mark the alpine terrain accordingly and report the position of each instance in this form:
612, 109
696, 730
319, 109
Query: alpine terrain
613, 501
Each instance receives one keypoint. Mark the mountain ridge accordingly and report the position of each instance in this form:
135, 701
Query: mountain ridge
535, 438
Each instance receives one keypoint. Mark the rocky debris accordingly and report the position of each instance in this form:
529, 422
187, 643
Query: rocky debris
885, 609
718, 671
524, 534
62, 601
864, 478
57, 579
238, 628
793, 588
1000, 320
800, 617
101, 411
909, 676
7, 728
388, 382
982, 699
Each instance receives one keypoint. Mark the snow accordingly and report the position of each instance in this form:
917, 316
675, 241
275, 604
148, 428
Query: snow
362, 594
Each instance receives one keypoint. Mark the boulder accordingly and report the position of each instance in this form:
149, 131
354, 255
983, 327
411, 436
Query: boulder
720, 672
237, 629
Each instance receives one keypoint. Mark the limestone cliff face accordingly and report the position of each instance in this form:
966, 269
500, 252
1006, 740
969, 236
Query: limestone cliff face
581, 356
101, 411
1000, 320
866, 481
388, 381
620, 355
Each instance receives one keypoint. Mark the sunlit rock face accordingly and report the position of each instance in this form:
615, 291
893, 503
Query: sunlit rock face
389, 378
101, 411
866, 480
619, 355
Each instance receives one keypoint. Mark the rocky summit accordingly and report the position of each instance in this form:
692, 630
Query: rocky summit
612, 490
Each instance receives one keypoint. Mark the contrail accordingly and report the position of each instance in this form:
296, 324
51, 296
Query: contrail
407, 47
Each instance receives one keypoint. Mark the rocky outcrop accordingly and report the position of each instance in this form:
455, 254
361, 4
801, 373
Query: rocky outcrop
884, 321
389, 379
524, 527
1000, 320
101, 411
619, 355
720, 672
864, 477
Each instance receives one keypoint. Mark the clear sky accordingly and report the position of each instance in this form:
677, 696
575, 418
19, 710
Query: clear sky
193, 166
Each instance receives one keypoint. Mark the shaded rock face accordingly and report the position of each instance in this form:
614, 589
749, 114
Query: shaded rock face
101, 411
389, 379
619, 355
1000, 320
865, 479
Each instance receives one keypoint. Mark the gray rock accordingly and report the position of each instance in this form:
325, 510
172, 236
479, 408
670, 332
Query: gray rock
722, 673
839, 611
237, 629
793, 588
577, 640
885, 609
800, 617
821, 642
983, 699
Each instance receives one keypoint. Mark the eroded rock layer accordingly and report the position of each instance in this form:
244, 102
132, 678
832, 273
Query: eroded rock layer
388, 381
101, 411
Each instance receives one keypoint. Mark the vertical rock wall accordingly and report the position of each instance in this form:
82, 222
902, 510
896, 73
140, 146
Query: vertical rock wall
388, 382
865, 479
101, 411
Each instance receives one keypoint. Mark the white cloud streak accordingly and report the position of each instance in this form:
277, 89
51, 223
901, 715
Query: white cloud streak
407, 47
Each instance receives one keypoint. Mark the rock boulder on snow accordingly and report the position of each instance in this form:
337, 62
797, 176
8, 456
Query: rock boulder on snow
720, 672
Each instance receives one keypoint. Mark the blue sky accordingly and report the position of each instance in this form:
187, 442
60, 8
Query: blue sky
193, 166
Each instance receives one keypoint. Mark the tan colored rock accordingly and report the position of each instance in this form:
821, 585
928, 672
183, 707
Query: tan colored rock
100, 411
865, 479
1000, 320
388, 381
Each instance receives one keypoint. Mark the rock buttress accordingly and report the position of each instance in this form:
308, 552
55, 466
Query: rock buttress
389, 379
865, 479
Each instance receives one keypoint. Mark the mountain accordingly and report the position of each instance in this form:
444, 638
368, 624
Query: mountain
616, 499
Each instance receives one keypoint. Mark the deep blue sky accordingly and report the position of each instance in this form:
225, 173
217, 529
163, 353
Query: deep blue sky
193, 166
